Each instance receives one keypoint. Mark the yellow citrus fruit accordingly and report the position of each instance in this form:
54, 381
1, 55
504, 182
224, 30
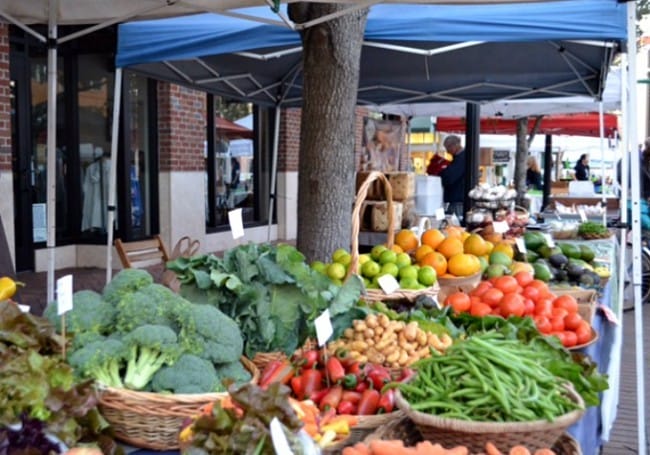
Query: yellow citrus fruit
474, 244
489, 246
454, 231
422, 251
397, 249
432, 237
435, 260
503, 247
407, 240
451, 246
464, 235
463, 265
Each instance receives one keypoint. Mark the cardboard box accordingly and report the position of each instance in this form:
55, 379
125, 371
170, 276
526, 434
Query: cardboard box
379, 215
486, 156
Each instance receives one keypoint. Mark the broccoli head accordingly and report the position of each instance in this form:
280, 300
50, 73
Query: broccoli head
101, 360
125, 282
79, 340
233, 371
152, 304
149, 348
90, 313
189, 374
217, 337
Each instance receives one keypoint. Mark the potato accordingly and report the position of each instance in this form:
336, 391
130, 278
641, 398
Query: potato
348, 333
359, 325
446, 341
369, 334
410, 331
371, 321
421, 338
403, 357
383, 320
360, 346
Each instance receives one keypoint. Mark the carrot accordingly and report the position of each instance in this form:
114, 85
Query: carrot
491, 449
519, 450
392, 447
427, 448
311, 429
459, 450
207, 409
544, 452
350, 451
362, 449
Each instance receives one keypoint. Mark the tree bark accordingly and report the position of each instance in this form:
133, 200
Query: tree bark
520, 160
331, 60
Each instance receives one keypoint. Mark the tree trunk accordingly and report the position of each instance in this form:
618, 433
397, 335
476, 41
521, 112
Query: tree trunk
521, 156
331, 59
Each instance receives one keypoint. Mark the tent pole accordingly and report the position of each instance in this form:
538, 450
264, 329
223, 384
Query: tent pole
274, 165
112, 176
548, 169
636, 227
51, 146
601, 129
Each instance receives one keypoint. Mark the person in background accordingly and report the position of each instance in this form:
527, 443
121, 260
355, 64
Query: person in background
582, 167
644, 171
533, 174
452, 176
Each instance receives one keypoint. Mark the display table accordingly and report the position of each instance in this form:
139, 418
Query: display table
593, 430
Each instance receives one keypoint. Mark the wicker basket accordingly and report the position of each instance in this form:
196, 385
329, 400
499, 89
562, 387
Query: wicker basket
461, 283
587, 300
366, 425
262, 359
453, 432
377, 295
153, 420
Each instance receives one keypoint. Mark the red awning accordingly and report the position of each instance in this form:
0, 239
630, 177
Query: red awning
230, 130
569, 124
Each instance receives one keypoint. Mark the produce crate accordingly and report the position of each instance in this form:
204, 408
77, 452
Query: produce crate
402, 184
378, 295
587, 300
454, 432
153, 420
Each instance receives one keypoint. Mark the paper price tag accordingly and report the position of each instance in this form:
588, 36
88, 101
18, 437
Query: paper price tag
521, 245
324, 329
440, 214
64, 294
24, 308
280, 443
388, 284
236, 223
583, 215
609, 314
500, 227
549, 240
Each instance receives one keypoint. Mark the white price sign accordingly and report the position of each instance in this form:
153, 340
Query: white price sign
64, 294
324, 329
500, 227
440, 214
236, 223
521, 245
388, 283
583, 215
549, 240
280, 443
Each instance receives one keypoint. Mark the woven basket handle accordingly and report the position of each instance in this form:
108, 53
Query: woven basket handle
362, 194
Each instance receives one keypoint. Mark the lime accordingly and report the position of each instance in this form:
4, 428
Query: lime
402, 260
388, 257
319, 266
409, 283
344, 259
363, 258
408, 272
389, 268
370, 269
336, 271
338, 254
427, 275
376, 251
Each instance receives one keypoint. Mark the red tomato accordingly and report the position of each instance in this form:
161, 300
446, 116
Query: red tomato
544, 307
567, 302
524, 278
506, 284
531, 292
561, 335
482, 287
570, 339
459, 301
584, 324
492, 297
543, 324
557, 323
512, 304
480, 309
572, 321
539, 284
583, 334
529, 307
559, 312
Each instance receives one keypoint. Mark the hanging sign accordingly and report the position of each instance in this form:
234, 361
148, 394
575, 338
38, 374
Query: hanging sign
236, 223
324, 329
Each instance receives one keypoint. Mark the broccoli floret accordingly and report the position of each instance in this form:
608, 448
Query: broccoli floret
150, 347
80, 340
189, 374
233, 371
152, 304
90, 313
125, 282
219, 338
101, 360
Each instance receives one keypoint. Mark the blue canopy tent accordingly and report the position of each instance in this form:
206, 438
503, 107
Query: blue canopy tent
411, 54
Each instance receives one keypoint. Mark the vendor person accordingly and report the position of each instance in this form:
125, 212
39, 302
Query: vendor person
452, 176
582, 167
533, 174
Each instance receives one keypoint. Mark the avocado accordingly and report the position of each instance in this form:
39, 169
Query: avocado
574, 271
534, 240
531, 256
542, 272
586, 280
570, 250
562, 275
558, 260
546, 251
580, 263
586, 253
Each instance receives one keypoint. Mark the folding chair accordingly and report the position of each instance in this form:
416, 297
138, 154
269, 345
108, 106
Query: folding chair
142, 253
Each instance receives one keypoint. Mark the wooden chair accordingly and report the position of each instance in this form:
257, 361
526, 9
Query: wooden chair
142, 253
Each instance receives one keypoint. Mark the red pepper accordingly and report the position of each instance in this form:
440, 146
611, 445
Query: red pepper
268, 370
368, 403
332, 399
379, 377
351, 396
311, 358
345, 407
355, 369
312, 381
335, 371
386, 402
297, 386
317, 397
361, 386
283, 374
407, 374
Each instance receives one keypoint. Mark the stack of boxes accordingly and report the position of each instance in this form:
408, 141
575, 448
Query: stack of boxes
374, 212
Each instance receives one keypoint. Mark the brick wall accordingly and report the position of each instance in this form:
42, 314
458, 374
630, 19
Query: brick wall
5, 101
181, 128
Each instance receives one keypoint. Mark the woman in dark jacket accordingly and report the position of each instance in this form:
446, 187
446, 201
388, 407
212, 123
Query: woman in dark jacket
582, 167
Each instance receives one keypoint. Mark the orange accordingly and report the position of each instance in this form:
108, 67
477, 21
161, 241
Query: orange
435, 260
407, 240
450, 246
454, 231
432, 237
463, 265
397, 249
422, 251
474, 244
